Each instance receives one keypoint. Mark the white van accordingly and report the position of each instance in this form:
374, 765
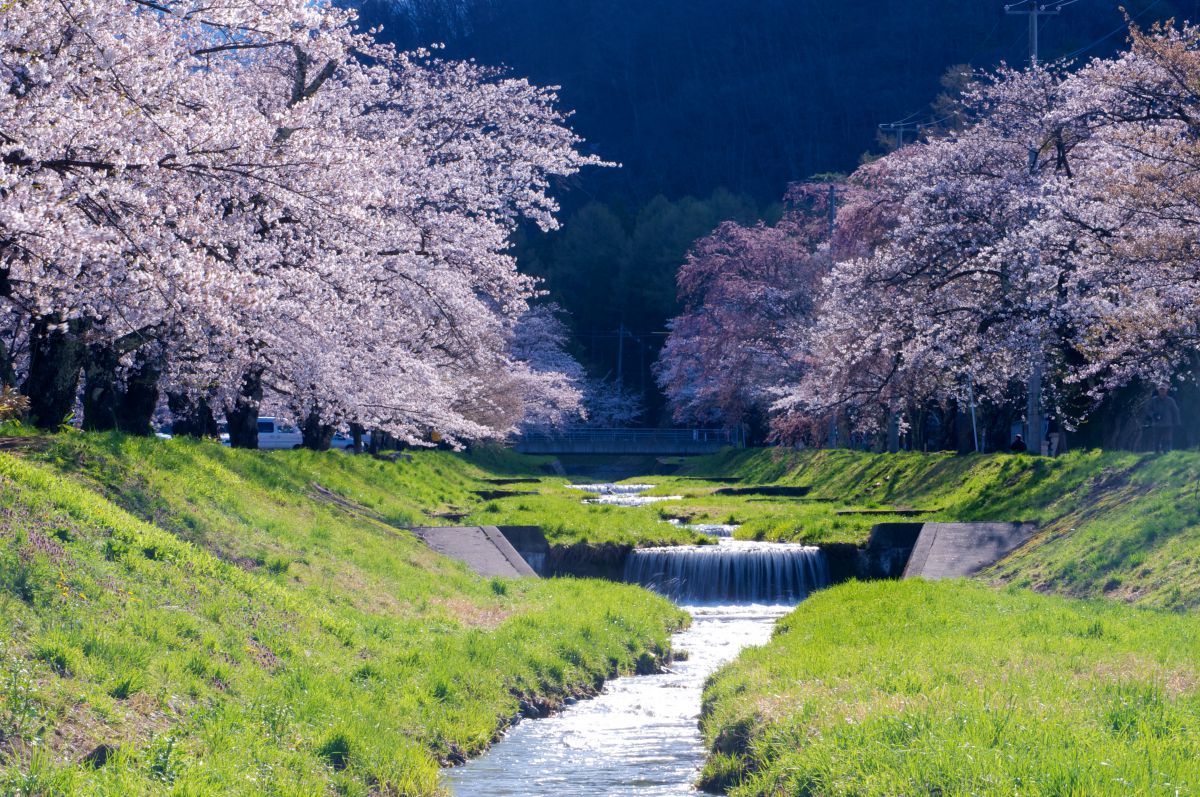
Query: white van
276, 434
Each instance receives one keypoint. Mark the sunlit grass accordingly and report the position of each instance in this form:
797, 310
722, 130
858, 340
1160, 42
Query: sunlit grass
223, 629
891, 688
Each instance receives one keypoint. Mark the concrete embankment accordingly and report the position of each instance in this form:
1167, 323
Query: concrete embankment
484, 549
958, 550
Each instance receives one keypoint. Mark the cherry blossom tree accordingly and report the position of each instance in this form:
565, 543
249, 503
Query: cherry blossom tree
552, 382
966, 296
746, 291
257, 201
1037, 257
1135, 220
1047, 248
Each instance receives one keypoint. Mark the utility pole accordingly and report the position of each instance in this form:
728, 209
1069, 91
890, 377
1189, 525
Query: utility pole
832, 203
832, 215
899, 129
1035, 11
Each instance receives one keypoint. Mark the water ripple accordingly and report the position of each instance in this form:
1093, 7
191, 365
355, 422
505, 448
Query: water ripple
638, 737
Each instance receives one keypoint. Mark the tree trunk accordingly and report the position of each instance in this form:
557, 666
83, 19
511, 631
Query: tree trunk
357, 432
964, 439
1033, 410
191, 417
101, 391
893, 434
139, 398
8, 374
381, 441
56, 358
317, 436
242, 417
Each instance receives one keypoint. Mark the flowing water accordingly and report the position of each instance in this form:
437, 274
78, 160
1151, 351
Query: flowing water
711, 529
621, 494
612, 489
640, 736
734, 571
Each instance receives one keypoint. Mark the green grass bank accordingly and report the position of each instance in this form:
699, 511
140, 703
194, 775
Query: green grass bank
954, 688
1112, 524
984, 687
178, 618
1116, 524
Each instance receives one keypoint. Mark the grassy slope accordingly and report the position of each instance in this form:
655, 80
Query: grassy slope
565, 520
953, 688
255, 639
910, 688
1112, 524
558, 508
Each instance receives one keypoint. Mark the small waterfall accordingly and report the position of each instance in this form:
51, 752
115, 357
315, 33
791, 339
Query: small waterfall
628, 495
711, 529
732, 572
537, 561
612, 489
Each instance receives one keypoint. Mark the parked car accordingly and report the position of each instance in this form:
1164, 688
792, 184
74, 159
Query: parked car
276, 434
273, 433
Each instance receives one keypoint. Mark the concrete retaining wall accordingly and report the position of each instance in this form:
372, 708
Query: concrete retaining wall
895, 550
958, 550
530, 543
482, 548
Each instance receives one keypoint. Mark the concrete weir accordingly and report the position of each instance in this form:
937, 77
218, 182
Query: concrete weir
895, 550
484, 549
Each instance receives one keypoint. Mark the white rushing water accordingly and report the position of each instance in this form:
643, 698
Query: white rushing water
711, 529
630, 500
621, 494
640, 736
735, 571
612, 489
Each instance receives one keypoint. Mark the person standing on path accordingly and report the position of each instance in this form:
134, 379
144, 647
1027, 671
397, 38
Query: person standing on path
1163, 415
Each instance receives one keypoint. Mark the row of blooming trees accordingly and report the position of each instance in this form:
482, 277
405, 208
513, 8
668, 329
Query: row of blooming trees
1039, 258
247, 201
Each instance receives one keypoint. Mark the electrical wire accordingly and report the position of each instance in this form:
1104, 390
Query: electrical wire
1113, 32
903, 121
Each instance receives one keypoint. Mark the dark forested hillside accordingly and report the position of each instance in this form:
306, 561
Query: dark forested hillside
691, 95
712, 107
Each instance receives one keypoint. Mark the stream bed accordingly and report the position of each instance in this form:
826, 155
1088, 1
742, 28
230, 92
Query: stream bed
640, 736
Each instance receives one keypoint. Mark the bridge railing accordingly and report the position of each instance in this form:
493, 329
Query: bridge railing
676, 442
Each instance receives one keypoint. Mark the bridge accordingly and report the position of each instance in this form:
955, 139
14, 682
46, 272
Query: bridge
662, 442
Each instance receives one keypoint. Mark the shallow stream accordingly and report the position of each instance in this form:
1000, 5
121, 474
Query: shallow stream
640, 736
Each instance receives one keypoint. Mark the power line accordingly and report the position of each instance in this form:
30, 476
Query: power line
1121, 28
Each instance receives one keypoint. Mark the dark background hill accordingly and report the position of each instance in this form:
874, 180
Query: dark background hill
738, 98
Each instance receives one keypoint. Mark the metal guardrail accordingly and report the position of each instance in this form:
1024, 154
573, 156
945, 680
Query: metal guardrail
676, 442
